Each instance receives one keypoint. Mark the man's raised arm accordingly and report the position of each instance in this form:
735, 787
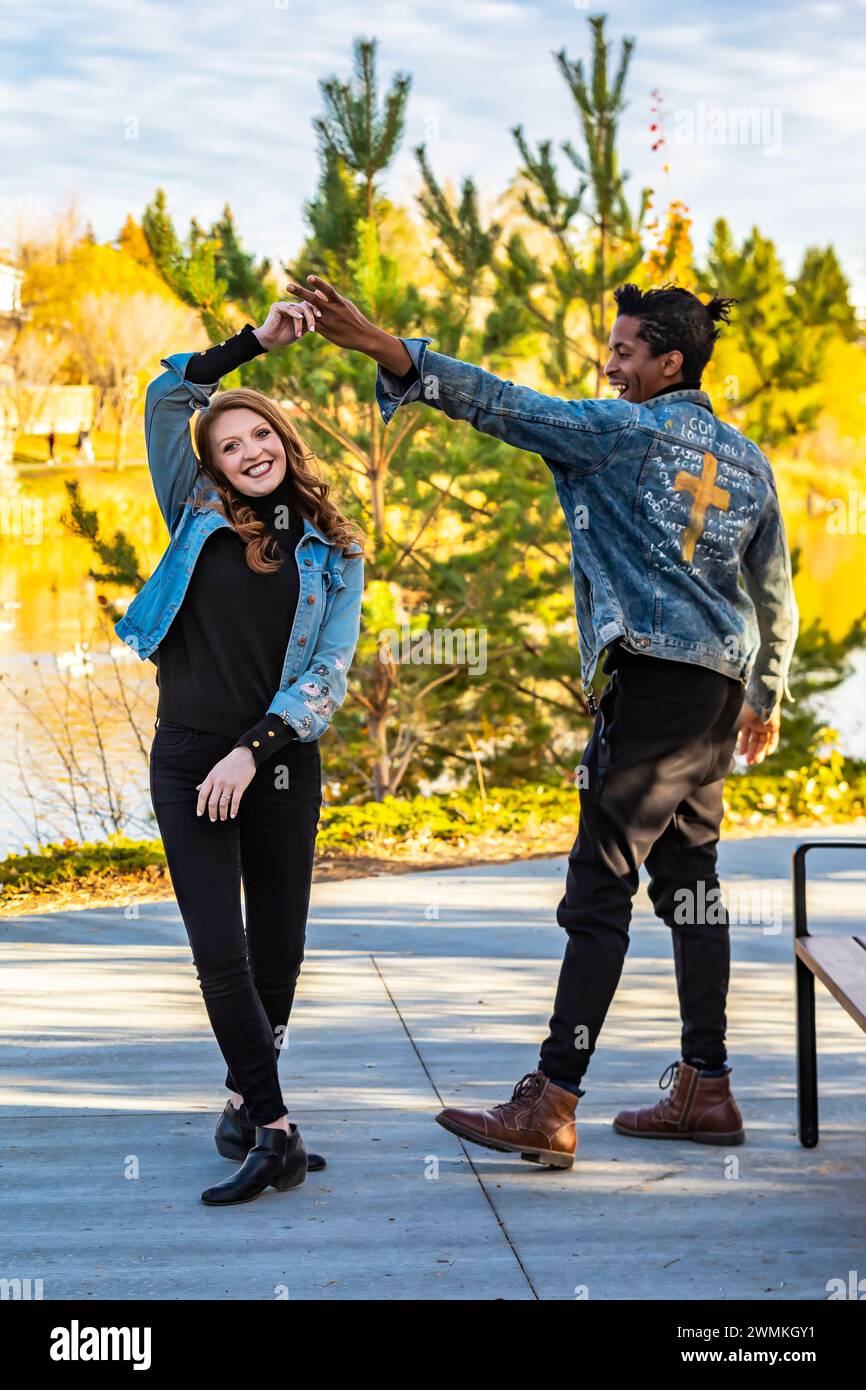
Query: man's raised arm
578, 434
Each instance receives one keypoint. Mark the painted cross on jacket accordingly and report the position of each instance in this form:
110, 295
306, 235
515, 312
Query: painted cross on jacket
706, 494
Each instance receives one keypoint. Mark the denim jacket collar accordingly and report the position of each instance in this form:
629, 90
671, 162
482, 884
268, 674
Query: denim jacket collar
689, 395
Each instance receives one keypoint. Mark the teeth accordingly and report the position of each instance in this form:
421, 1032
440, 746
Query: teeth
258, 468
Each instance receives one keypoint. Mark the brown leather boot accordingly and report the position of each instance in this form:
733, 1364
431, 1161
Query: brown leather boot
700, 1108
537, 1123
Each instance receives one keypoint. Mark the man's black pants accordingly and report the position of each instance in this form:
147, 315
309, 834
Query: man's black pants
655, 767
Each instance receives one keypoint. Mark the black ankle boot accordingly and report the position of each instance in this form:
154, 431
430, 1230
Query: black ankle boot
235, 1135
277, 1159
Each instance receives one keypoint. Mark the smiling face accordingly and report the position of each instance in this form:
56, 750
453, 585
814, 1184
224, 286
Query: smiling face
248, 451
631, 368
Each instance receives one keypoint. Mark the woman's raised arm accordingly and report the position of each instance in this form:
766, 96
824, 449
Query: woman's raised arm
189, 381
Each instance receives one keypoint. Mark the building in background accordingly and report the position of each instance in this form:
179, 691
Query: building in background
10, 288
10, 320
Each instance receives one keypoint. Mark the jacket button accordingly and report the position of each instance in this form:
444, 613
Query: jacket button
301, 641
255, 740
312, 598
642, 641
308, 562
271, 733
292, 680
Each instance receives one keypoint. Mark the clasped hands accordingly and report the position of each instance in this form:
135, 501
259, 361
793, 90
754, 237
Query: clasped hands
323, 310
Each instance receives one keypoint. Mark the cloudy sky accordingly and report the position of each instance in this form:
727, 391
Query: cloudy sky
219, 97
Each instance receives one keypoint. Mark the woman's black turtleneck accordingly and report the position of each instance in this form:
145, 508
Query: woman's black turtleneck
220, 663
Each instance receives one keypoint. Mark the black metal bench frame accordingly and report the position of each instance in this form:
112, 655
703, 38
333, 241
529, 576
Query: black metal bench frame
807, 1059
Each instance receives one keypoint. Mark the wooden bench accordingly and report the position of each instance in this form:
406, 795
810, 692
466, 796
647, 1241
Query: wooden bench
839, 963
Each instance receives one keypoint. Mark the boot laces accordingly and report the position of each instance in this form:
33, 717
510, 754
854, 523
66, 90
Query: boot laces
667, 1077
525, 1087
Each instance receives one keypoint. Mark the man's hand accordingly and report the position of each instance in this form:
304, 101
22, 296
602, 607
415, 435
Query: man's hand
343, 324
285, 323
758, 737
221, 791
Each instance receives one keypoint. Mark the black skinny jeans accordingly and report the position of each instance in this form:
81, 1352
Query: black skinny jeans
247, 977
656, 765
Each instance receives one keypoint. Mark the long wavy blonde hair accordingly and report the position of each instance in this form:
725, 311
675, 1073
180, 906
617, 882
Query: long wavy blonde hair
311, 493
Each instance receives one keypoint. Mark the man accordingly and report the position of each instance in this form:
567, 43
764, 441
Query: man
682, 579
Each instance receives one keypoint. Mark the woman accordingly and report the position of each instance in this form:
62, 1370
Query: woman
253, 635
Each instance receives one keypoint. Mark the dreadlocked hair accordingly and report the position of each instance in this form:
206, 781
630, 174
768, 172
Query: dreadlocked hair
675, 320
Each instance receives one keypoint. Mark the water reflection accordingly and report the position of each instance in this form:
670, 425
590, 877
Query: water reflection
76, 704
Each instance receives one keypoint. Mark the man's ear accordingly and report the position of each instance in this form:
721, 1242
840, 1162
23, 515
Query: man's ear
672, 363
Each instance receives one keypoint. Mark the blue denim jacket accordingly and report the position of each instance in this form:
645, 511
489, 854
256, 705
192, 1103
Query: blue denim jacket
327, 621
677, 541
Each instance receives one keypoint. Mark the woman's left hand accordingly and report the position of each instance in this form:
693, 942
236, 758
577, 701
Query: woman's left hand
221, 791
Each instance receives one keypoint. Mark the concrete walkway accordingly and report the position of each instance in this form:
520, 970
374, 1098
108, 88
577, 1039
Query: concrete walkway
420, 990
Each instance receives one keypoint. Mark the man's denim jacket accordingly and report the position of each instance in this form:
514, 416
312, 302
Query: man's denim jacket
677, 542
327, 621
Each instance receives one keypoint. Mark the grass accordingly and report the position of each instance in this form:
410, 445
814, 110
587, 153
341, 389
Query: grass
455, 828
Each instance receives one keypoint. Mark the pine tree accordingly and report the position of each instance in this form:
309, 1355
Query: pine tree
772, 357
561, 299
354, 129
191, 270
